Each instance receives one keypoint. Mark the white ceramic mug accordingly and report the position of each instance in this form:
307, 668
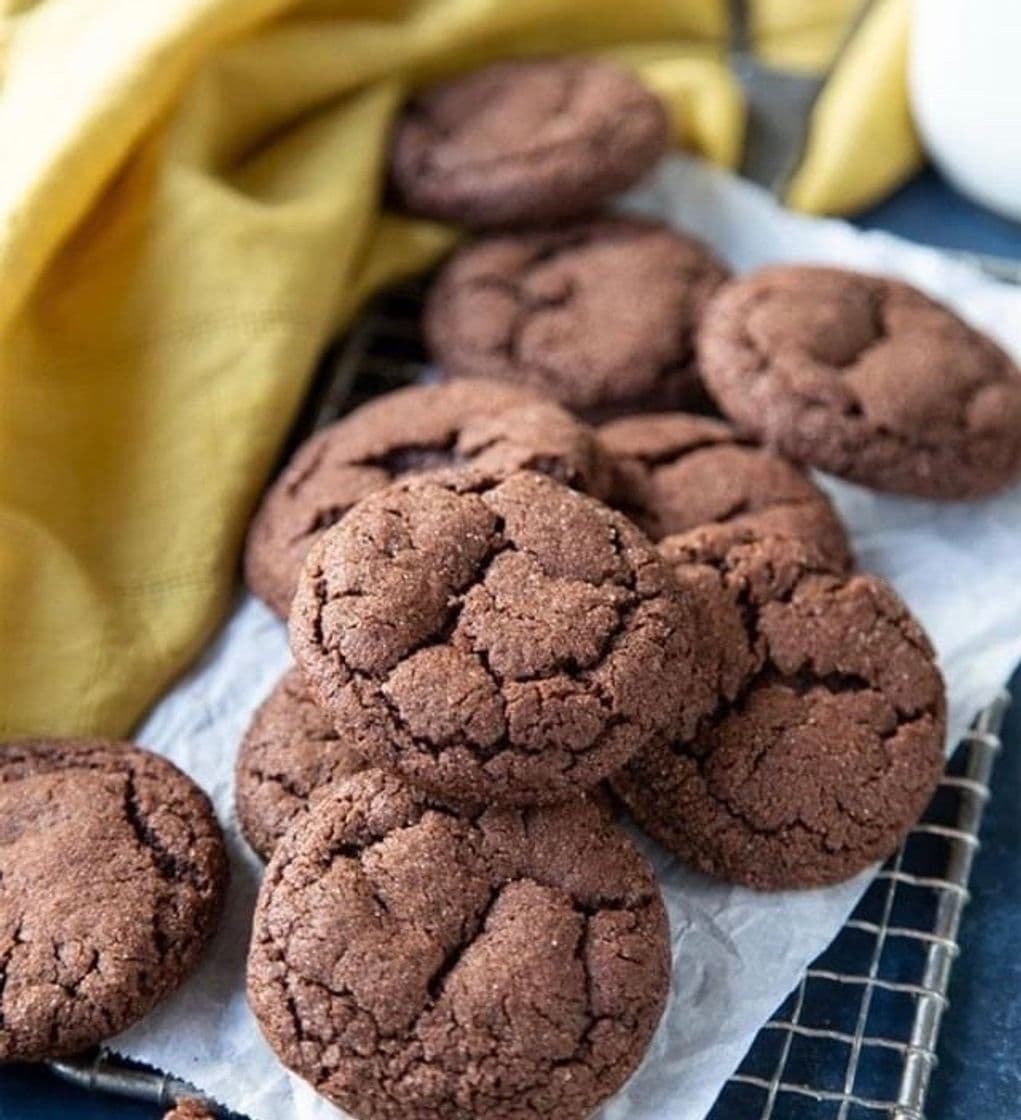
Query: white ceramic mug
965, 76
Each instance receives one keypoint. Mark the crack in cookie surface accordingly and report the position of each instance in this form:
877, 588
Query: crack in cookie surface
676, 472
827, 737
865, 377
112, 872
407, 432
600, 315
510, 640
410, 960
289, 754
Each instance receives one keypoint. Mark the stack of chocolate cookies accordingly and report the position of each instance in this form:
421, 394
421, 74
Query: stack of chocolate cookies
509, 625
451, 923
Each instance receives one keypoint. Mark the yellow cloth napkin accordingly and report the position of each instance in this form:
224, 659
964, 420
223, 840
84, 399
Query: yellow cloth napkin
190, 207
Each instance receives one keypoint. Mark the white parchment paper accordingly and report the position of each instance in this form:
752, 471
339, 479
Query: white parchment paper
736, 953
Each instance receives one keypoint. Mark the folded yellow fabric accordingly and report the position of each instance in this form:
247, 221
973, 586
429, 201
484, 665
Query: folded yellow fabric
189, 208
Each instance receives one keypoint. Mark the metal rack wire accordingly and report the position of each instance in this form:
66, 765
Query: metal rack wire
856, 1040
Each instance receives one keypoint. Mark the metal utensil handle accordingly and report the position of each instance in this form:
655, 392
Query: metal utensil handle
105, 1073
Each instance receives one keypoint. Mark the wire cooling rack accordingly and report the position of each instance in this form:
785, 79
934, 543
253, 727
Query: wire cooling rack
856, 1040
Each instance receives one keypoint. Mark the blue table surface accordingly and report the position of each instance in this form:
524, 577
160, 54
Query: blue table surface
979, 1073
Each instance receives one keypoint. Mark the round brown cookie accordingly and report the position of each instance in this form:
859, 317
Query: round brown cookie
865, 377
493, 427
408, 961
289, 754
526, 141
676, 472
510, 641
600, 315
827, 740
112, 874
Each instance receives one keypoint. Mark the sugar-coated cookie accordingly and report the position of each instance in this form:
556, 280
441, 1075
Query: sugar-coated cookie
421, 428
600, 315
676, 472
507, 641
525, 141
865, 377
410, 961
827, 739
112, 876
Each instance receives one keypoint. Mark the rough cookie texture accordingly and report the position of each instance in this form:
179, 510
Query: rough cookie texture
865, 377
408, 961
511, 641
676, 472
112, 873
523, 142
600, 315
493, 427
289, 754
191, 1108
827, 740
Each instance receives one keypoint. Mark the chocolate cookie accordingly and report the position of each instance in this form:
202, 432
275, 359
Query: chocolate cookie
289, 754
865, 377
676, 472
408, 961
599, 315
112, 874
510, 641
421, 428
827, 740
525, 142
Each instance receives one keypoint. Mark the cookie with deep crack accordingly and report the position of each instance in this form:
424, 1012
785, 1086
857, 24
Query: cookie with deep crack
526, 141
112, 876
510, 641
827, 740
424, 427
600, 315
409, 961
864, 377
676, 471
290, 753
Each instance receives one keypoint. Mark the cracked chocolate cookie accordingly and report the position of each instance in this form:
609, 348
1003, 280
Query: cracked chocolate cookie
525, 142
510, 641
827, 740
676, 472
409, 961
865, 377
112, 874
493, 427
599, 315
289, 754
